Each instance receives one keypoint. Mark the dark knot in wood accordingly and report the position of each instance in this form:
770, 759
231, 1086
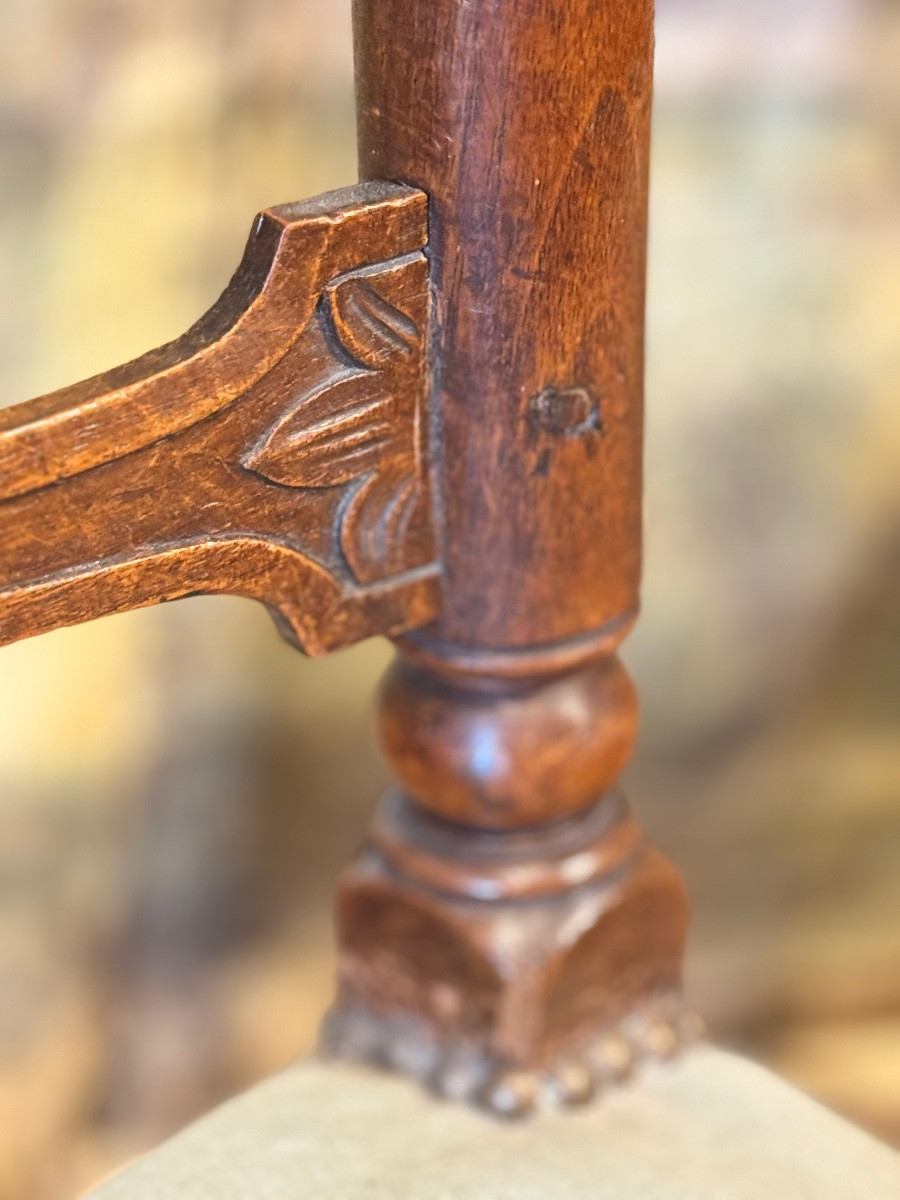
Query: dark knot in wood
566, 412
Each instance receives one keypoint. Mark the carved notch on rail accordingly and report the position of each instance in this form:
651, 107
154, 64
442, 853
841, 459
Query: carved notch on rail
277, 450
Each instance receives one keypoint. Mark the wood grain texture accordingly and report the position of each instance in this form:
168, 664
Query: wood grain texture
528, 127
275, 451
512, 754
508, 913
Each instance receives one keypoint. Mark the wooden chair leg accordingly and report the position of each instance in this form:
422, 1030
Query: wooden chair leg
417, 411
507, 919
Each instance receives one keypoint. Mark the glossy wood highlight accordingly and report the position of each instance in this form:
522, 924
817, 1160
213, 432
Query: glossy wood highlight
508, 918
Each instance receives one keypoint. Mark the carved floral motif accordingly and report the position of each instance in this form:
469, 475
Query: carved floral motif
360, 424
274, 451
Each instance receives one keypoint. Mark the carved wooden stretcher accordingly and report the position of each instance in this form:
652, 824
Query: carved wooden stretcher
417, 412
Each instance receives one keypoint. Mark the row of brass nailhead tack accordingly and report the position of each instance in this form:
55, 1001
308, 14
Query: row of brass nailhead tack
656, 1033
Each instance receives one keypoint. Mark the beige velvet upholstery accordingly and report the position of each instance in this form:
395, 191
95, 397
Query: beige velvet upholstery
711, 1127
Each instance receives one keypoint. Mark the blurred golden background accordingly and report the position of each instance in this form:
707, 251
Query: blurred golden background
178, 788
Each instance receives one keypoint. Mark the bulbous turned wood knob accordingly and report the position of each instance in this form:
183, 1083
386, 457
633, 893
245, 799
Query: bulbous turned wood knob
502, 754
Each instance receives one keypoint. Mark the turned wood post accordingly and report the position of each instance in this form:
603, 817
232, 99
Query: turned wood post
416, 411
507, 919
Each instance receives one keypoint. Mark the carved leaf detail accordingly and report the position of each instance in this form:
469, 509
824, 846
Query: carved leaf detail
358, 418
334, 435
368, 326
260, 426
378, 521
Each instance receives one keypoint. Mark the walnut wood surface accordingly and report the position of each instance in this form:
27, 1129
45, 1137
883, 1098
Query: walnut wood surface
528, 127
446, 369
275, 451
512, 754
507, 913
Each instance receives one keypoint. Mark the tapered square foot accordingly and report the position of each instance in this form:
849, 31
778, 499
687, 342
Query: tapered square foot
506, 1002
